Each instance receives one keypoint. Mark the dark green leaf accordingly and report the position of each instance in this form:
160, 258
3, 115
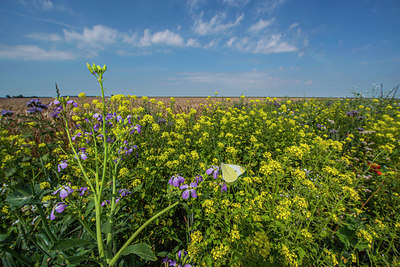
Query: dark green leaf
10, 172
78, 259
17, 200
66, 244
142, 250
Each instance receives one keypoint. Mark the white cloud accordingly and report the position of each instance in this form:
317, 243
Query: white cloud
31, 52
215, 25
261, 24
162, 37
362, 49
212, 44
46, 5
308, 82
269, 5
237, 3
272, 45
167, 37
95, 37
193, 43
44, 36
293, 25
231, 41
265, 45
193, 4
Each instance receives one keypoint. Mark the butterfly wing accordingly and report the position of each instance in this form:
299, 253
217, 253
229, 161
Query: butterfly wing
231, 172
238, 169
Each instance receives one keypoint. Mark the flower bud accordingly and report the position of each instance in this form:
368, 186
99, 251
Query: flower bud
89, 68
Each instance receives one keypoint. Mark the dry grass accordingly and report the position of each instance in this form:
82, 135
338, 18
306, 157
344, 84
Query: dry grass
18, 105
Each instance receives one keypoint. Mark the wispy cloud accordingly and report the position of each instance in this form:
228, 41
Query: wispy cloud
269, 6
193, 4
46, 5
161, 38
362, 48
49, 6
193, 43
265, 45
236, 3
98, 36
215, 24
261, 24
31, 52
44, 36
308, 82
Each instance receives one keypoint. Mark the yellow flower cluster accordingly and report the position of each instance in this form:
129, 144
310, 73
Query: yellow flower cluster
289, 257
219, 252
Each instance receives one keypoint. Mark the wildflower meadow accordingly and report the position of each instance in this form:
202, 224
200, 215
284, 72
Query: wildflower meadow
128, 181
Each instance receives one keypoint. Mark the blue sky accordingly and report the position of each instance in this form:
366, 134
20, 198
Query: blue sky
198, 47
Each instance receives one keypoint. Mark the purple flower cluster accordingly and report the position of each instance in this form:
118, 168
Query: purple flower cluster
123, 192
62, 165
352, 113
5, 113
181, 255
177, 181
64, 191
57, 109
35, 106
214, 170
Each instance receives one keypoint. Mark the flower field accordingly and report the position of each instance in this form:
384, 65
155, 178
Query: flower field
133, 181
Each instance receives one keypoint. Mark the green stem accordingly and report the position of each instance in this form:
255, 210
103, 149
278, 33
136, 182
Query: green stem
113, 260
98, 227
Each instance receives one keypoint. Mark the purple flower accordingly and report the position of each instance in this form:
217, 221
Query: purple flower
180, 253
75, 136
6, 113
96, 127
105, 202
199, 179
64, 190
213, 170
333, 131
97, 116
169, 262
59, 208
124, 192
33, 102
55, 102
176, 180
352, 113
137, 128
62, 165
73, 103
83, 156
33, 110
223, 187
83, 190
190, 190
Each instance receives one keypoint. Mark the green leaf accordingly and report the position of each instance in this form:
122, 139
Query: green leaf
90, 207
10, 172
3, 237
79, 259
17, 200
142, 250
66, 244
